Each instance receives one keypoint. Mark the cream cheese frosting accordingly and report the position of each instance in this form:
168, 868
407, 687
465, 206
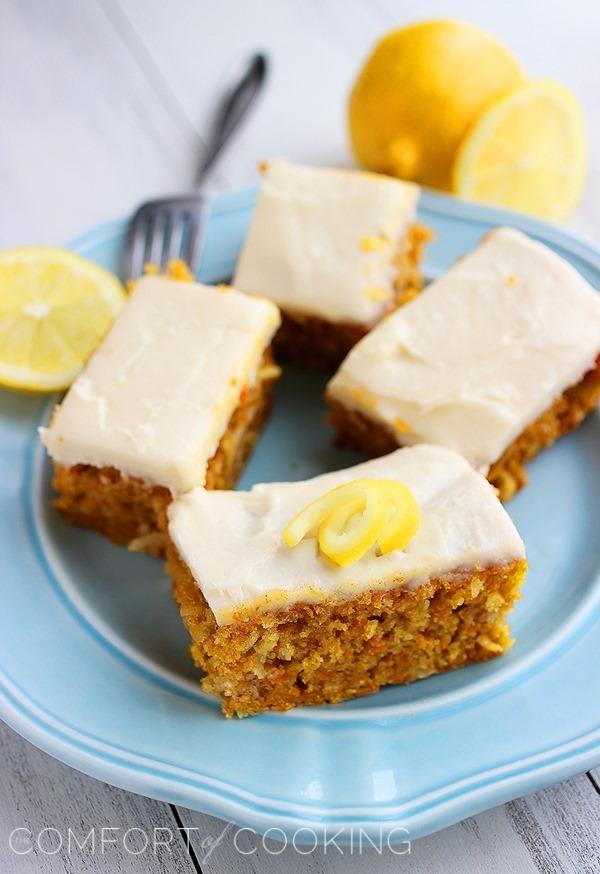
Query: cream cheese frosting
481, 353
323, 242
156, 397
232, 541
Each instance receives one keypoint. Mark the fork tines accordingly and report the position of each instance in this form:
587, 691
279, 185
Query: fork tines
164, 230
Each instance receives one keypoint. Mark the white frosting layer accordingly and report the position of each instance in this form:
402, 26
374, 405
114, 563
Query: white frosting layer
323, 242
481, 353
156, 396
232, 541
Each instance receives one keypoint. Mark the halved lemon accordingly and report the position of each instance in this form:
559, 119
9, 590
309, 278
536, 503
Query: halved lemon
419, 91
55, 307
525, 151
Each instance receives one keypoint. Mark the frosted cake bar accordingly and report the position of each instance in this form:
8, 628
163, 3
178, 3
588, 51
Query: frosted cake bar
496, 359
174, 397
336, 250
274, 627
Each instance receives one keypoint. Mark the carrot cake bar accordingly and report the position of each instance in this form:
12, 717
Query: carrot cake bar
174, 397
496, 359
286, 610
336, 250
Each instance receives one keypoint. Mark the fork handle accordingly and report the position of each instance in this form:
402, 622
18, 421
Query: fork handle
232, 110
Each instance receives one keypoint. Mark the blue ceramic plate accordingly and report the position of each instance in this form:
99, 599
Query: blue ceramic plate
93, 661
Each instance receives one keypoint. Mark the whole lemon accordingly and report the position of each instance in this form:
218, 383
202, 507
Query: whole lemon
418, 93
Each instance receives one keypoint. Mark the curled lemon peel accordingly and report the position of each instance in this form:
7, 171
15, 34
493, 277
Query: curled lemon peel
404, 518
351, 519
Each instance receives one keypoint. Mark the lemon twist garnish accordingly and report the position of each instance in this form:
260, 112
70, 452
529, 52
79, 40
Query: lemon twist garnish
351, 519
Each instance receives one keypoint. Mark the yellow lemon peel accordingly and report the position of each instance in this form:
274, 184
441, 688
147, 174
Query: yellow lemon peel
176, 269
375, 243
416, 96
404, 518
375, 293
351, 519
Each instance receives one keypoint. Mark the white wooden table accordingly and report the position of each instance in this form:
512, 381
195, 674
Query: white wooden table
105, 102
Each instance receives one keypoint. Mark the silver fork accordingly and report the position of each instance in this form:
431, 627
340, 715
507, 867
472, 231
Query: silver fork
173, 227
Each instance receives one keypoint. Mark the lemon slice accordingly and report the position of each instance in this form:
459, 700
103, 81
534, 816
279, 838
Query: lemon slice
350, 519
55, 307
526, 151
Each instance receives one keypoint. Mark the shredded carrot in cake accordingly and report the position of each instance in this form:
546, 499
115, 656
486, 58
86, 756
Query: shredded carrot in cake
244, 395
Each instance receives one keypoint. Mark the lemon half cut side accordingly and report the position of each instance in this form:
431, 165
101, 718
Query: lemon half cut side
526, 151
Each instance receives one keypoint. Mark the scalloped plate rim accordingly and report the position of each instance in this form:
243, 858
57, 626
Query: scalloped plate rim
448, 803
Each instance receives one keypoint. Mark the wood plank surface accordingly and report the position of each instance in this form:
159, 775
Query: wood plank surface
109, 101
556, 831
54, 819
